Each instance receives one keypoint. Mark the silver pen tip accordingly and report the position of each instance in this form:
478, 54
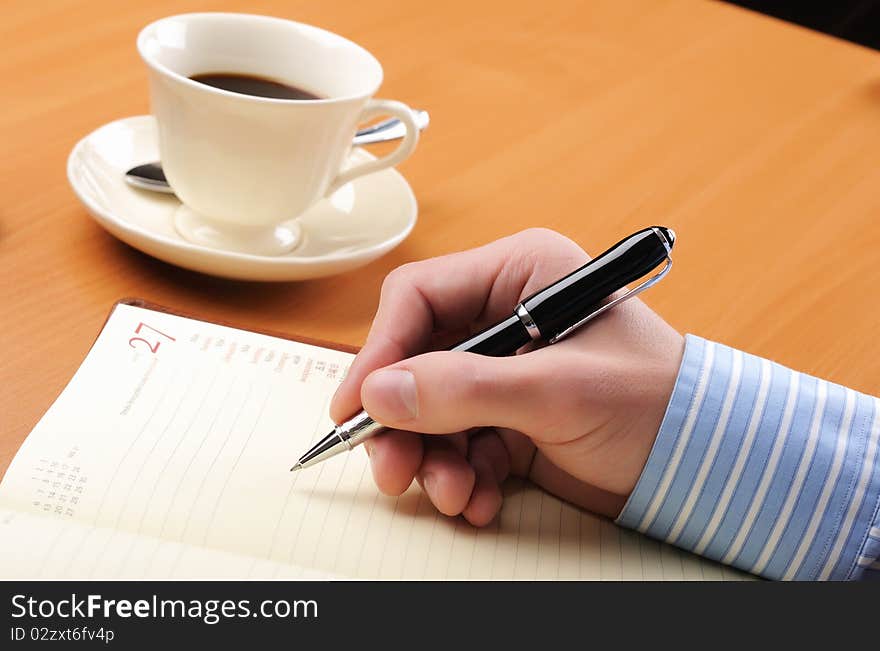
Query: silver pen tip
296, 467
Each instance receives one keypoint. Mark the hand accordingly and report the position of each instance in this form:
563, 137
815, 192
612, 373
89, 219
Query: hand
577, 418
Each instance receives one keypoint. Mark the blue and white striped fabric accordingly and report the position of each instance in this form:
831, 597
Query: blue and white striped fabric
764, 468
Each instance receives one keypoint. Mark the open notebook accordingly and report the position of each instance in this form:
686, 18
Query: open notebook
168, 456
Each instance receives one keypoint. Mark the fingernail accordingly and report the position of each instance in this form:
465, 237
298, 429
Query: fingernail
368, 446
429, 482
395, 392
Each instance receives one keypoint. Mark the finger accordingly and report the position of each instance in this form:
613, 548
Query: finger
460, 441
485, 499
452, 292
346, 401
446, 477
487, 449
395, 457
490, 461
520, 450
445, 392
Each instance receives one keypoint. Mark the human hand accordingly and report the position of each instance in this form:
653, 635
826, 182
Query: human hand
577, 418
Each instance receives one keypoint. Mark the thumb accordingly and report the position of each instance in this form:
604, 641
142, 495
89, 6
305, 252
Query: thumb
442, 392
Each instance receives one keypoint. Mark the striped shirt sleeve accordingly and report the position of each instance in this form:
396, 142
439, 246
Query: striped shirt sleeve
757, 466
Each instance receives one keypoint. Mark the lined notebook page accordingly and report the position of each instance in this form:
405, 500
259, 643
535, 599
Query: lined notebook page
168, 456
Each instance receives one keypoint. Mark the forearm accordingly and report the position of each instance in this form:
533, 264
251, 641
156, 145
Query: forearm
761, 467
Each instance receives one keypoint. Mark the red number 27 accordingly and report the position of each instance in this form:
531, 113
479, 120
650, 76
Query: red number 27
152, 346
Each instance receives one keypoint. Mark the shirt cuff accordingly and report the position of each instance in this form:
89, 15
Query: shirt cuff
757, 466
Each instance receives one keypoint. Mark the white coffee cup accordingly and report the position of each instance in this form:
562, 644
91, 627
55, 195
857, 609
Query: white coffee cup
246, 167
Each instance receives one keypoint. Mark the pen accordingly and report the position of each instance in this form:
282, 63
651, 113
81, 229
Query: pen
547, 315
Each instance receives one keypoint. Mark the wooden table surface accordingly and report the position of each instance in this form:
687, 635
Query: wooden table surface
757, 141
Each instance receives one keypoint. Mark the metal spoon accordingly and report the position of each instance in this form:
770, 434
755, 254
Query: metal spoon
150, 176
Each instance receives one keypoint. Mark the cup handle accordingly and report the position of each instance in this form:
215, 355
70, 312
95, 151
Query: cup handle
376, 107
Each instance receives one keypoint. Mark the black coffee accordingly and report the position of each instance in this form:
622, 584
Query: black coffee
253, 85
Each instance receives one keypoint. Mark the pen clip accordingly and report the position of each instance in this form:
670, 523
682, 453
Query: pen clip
653, 280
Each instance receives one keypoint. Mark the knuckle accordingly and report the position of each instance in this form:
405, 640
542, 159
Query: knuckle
538, 242
540, 232
406, 274
397, 278
542, 237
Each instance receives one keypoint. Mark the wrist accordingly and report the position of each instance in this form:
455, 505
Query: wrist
653, 384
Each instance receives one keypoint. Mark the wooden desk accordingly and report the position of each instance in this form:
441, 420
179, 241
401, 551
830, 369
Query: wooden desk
756, 140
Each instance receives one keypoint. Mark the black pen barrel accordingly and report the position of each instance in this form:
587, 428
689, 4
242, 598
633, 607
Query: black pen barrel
578, 294
568, 300
498, 340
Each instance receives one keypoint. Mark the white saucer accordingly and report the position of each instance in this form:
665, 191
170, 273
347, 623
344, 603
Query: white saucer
357, 224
